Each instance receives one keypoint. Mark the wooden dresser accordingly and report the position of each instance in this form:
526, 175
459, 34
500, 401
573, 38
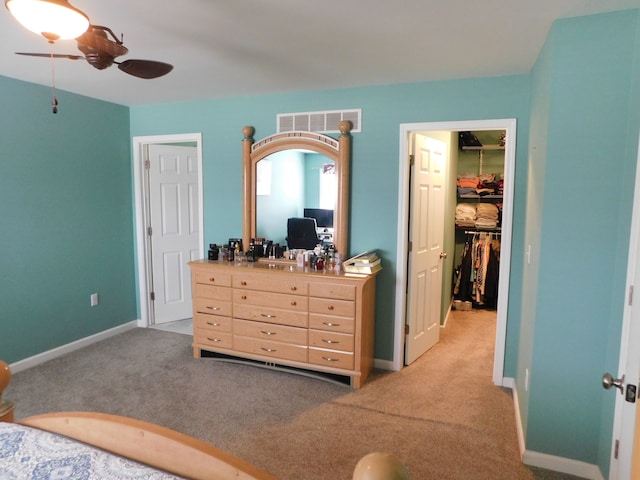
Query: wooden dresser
286, 315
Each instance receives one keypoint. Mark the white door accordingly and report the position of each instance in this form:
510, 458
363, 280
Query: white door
426, 234
625, 455
174, 228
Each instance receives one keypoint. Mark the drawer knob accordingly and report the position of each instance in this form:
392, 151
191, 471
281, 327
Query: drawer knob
265, 332
329, 324
243, 283
267, 315
213, 308
294, 288
330, 307
212, 279
294, 303
329, 359
330, 341
213, 324
216, 340
243, 297
269, 350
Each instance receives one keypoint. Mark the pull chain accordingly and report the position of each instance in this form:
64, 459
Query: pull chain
54, 100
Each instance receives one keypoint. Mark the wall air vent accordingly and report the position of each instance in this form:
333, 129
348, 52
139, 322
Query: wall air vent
321, 122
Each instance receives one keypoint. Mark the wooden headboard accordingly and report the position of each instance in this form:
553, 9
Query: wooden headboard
6, 407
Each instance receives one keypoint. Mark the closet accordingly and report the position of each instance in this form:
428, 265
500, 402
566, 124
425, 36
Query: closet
478, 218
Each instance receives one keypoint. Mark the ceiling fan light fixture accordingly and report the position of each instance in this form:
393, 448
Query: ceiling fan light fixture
53, 19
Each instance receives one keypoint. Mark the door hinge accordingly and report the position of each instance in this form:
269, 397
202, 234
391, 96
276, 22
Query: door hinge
152, 296
616, 448
149, 231
406, 329
147, 164
410, 246
630, 294
412, 160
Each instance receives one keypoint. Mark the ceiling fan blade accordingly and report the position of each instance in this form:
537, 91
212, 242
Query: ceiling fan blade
49, 55
145, 68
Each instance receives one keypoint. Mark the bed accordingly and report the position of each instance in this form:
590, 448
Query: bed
83, 445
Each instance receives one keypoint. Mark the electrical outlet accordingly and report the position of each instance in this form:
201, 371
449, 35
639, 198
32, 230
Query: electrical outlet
526, 379
94, 299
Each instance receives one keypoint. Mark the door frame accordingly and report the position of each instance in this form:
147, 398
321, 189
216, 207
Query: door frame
509, 125
141, 197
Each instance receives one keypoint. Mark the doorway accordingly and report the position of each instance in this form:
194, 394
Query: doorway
148, 276
406, 132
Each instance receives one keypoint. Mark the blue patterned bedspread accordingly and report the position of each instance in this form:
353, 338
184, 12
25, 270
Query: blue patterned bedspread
27, 453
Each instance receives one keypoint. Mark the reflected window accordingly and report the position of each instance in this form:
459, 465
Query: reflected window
263, 178
328, 186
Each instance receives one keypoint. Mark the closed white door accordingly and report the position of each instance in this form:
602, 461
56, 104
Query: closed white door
426, 234
174, 228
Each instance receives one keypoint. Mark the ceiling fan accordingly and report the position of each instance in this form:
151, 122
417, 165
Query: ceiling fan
101, 52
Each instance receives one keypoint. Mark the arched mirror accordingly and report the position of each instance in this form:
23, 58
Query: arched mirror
291, 174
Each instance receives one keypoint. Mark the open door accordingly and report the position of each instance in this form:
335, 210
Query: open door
174, 233
625, 445
153, 163
426, 213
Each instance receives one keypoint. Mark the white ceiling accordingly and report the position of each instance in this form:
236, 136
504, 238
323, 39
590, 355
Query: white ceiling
224, 48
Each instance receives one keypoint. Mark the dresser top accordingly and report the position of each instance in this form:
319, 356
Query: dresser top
265, 265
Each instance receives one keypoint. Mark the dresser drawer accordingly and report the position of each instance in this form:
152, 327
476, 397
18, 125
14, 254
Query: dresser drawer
270, 331
332, 290
331, 358
217, 277
284, 351
213, 307
271, 315
212, 322
271, 283
212, 339
212, 291
331, 340
327, 306
332, 323
275, 300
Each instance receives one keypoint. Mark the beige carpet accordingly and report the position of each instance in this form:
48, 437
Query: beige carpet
442, 416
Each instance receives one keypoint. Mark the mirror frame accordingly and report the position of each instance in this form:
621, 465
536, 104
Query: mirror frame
337, 150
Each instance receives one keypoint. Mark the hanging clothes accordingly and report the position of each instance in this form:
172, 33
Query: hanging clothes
464, 288
477, 274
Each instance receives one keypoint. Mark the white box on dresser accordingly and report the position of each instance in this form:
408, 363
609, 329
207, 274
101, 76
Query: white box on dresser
283, 314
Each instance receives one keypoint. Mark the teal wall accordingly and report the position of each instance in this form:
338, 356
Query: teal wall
578, 222
374, 173
66, 216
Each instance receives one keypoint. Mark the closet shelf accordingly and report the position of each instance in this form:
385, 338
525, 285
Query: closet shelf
478, 229
484, 147
475, 196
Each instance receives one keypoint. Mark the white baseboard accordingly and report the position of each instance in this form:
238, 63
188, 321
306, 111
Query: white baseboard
383, 364
546, 461
516, 404
21, 365
563, 465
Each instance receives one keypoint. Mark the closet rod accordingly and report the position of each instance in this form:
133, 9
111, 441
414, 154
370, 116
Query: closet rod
473, 232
